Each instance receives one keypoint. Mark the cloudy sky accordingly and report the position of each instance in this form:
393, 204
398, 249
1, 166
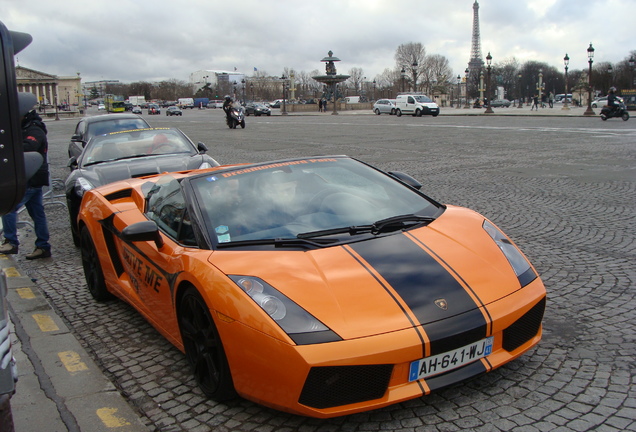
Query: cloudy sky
135, 40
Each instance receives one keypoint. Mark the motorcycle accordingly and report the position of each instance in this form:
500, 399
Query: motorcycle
619, 111
236, 117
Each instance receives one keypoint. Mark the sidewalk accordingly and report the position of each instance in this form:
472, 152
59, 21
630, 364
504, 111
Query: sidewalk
59, 387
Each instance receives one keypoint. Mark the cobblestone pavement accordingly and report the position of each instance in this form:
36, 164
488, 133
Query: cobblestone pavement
563, 188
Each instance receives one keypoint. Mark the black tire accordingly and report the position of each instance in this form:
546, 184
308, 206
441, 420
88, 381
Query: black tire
418, 113
625, 116
399, 113
92, 268
603, 117
204, 348
72, 215
377, 111
243, 124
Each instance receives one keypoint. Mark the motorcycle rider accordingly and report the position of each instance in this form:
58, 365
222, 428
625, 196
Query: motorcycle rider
612, 100
227, 107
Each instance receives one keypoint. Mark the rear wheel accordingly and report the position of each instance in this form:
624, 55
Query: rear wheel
603, 117
399, 113
377, 111
203, 347
625, 116
92, 268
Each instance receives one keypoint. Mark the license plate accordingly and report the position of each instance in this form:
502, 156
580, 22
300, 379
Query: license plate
440, 363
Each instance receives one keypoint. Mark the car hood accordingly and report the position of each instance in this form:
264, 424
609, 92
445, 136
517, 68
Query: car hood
446, 272
108, 172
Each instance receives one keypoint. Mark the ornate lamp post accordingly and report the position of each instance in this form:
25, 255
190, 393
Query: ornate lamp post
467, 73
520, 103
243, 84
403, 74
631, 72
459, 80
540, 87
566, 61
284, 79
374, 83
590, 56
481, 86
488, 86
610, 71
414, 76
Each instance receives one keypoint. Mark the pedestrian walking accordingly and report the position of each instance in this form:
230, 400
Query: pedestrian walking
551, 100
33, 140
535, 103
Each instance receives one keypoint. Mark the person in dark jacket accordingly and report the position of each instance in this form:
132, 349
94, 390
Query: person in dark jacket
34, 140
612, 99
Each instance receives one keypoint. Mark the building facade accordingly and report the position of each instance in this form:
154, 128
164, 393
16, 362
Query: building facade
50, 89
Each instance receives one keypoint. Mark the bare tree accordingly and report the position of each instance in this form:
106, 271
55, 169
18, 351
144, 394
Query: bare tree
356, 77
410, 57
436, 69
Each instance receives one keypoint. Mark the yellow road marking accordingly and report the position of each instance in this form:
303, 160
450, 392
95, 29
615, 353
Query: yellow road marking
108, 417
72, 361
12, 272
25, 293
45, 322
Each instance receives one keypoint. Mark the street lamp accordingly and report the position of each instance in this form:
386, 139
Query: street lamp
284, 78
414, 76
590, 56
459, 80
540, 87
520, 94
610, 71
631, 71
467, 72
566, 62
243, 85
374, 83
403, 72
481, 87
488, 86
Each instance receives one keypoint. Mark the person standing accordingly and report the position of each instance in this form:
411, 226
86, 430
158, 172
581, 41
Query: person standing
34, 140
535, 103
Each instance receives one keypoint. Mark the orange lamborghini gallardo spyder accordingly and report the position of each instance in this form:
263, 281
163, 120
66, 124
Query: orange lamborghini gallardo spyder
319, 286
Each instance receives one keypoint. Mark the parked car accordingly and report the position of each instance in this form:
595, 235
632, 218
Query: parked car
257, 109
174, 110
130, 153
498, 103
153, 108
599, 102
384, 106
88, 127
136, 109
341, 286
101, 107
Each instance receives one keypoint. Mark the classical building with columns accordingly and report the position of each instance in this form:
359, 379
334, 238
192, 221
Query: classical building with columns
50, 89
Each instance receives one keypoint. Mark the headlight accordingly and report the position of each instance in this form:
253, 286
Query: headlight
205, 165
293, 319
519, 263
82, 185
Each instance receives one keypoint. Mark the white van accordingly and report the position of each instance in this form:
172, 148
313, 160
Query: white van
416, 105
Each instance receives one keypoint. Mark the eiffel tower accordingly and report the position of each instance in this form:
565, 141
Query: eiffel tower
476, 63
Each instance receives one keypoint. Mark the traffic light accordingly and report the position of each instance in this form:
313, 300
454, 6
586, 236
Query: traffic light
12, 163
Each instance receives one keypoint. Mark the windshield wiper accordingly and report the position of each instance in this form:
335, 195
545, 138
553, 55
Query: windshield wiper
384, 225
278, 242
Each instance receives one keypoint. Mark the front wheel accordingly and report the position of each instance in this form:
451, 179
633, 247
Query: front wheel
418, 113
204, 348
92, 268
243, 124
625, 116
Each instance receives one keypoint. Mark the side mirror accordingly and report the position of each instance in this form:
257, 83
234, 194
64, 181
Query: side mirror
202, 147
142, 231
405, 178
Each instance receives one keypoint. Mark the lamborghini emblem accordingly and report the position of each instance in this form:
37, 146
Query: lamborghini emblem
442, 304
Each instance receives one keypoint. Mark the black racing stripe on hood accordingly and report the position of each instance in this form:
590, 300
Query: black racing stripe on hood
420, 280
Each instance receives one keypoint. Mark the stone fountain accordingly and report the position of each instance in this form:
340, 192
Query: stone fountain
331, 79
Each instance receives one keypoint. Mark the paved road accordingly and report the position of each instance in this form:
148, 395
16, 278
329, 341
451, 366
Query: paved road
564, 188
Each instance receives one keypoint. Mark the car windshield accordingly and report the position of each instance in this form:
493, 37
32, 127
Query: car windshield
422, 98
297, 199
135, 143
103, 127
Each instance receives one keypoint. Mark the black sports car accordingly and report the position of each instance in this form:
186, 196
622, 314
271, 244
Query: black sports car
127, 154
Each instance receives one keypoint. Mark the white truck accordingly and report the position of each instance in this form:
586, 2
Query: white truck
184, 103
416, 105
137, 100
